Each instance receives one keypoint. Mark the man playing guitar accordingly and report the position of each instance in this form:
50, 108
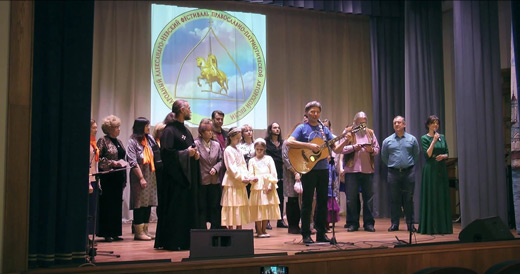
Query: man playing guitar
318, 177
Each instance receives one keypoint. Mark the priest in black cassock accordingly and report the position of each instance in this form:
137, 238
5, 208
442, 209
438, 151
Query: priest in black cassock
181, 179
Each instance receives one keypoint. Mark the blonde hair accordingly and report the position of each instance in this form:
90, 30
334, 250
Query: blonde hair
158, 129
111, 121
244, 128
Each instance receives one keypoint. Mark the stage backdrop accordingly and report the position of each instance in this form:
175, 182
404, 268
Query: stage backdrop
311, 56
213, 59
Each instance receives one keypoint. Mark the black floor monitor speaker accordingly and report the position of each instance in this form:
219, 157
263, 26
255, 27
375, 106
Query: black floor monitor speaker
218, 243
487, 229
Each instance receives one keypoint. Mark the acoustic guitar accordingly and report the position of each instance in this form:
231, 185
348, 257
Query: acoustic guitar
303, 159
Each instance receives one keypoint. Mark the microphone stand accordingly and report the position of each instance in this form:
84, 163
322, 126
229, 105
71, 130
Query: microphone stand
92, 251
410, 239
402, 242
333, 240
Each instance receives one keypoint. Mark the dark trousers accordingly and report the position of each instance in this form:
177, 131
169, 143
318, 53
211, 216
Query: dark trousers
315, 180
280, 196
401, 187
110, 210
354, 181
293, 212
209, 205
142, 215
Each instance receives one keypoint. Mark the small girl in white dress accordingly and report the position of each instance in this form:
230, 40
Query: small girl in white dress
264, 202
235, 205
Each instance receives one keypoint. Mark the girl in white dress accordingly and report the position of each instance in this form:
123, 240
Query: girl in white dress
264, 201
235, 205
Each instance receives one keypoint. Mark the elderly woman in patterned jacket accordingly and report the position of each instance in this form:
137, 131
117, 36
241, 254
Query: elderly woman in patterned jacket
111, 158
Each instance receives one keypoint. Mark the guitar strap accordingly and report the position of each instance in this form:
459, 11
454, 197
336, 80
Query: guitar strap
323, 136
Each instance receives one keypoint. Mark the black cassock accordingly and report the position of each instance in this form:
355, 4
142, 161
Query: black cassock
178, 205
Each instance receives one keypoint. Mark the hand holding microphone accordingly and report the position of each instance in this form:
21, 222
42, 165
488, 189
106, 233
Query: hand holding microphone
192, 150
436, 134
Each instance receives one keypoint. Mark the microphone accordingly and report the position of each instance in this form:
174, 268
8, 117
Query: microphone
435, 132
195, 147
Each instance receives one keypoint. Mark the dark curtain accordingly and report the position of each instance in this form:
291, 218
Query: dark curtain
515, 16
424, 84
387, 46
62, 75
363, 7
479, 120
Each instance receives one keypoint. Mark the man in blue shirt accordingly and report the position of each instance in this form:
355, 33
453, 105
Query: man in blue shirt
318, 177
399, 152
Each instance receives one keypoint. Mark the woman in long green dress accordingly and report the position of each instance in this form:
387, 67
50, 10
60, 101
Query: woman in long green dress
435, 199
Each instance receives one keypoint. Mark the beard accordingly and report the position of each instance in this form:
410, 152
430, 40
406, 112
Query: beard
187, 117
362, 132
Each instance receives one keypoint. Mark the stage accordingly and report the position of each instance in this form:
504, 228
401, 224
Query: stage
357, 252
280, 241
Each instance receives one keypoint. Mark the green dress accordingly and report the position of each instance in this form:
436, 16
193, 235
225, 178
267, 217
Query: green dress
435, 191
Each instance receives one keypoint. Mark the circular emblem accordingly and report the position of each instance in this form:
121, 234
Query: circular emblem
211, 59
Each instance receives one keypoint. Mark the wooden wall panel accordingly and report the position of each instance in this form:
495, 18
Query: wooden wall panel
16, 217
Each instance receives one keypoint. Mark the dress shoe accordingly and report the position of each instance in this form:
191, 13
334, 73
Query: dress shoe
108, 239
393, 228
412, 228
117, 238
346, 226
352, 228
281, 223
307, 240
269, 225
322, 238
370, 228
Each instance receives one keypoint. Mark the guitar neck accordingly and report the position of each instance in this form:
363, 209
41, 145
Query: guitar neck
334, 140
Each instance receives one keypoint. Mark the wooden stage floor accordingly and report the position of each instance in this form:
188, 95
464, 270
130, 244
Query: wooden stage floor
280, 241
